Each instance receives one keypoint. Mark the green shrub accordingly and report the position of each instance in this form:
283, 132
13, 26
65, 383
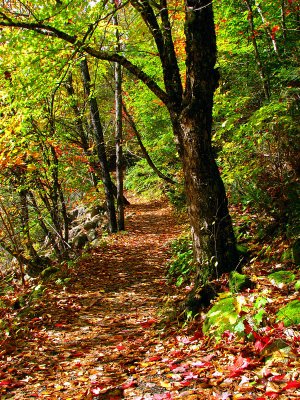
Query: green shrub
142, 179
181, 266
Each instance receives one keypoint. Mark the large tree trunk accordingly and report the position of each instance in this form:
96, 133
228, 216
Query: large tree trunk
213, 238
119, 131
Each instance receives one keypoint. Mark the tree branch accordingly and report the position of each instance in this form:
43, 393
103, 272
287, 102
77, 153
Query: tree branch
48, 30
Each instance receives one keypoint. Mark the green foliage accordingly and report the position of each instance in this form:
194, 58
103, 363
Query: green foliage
290, 314
257, 139
282, 277
176, 195
142, 179
238, 282
48, 272
181, 267
232, 312
221, 317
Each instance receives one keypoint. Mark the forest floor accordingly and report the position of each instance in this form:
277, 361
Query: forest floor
101, 335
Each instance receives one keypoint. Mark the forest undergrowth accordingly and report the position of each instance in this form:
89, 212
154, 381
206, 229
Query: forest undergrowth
101, 331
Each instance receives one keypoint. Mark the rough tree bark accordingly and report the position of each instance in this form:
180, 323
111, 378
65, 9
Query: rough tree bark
213, 237
119, 131
191, 115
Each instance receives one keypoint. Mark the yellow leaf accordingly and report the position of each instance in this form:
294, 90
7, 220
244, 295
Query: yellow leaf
166, 385
59, 387
31, 167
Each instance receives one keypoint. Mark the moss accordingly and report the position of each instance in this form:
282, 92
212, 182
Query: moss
46, 273
238, 282
221, 317
282, 277
297, 285
290, 314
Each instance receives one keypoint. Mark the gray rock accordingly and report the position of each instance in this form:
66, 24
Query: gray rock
80, 240
91, 235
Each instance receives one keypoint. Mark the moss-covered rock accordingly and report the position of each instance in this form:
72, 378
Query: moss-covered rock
290, 314
281, 277
46, 273
37, 292
221, 317
239, 282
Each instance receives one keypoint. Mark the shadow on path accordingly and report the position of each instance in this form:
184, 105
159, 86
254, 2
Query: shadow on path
92, 333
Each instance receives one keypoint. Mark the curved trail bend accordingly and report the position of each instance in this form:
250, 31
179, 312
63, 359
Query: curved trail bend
89, 337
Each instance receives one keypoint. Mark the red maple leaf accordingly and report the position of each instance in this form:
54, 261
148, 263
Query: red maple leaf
148, 323
6, 382
128, 385
155, 358
292, 385
239, 366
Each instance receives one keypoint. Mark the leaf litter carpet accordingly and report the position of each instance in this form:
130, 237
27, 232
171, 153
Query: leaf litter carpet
100, 336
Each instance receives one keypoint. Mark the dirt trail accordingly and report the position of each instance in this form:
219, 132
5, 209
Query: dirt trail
87, 338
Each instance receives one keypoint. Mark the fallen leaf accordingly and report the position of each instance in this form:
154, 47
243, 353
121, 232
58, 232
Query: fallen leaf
292, 385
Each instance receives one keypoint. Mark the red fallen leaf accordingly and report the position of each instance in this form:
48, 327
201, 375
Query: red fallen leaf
189, 375
120, 347
261, 341
208, 357
59, 325
176, 353
6, 382
279, 325
228, 335
248, 327
278, 378
272, 395
155, 358
202, 364
148, 323
185, 383
162, 396
197, 335
35, 319
238, 367
11, 383
260, 345
292, 385
128, 385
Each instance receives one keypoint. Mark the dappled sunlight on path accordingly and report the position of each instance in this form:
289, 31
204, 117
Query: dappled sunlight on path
89, 336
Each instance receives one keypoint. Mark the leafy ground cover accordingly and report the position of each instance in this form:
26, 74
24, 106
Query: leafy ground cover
101, 333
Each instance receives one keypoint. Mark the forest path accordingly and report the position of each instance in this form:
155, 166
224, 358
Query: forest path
85, 340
